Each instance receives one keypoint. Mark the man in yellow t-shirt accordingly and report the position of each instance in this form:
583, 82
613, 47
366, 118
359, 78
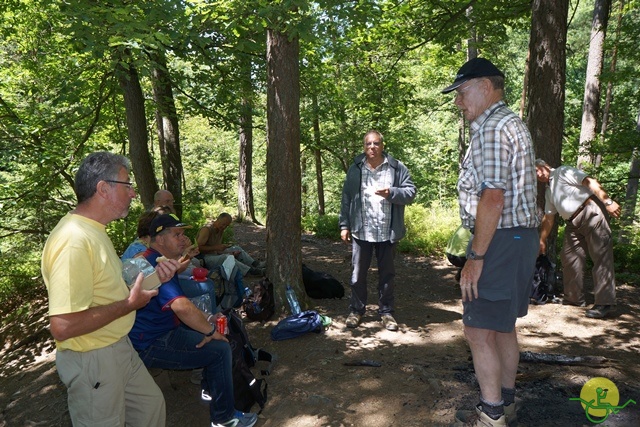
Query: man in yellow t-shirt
91, 310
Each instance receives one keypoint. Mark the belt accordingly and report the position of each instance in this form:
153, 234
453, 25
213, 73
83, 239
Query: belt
580, 209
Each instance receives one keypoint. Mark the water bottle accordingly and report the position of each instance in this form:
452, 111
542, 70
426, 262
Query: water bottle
247, 293
293, 300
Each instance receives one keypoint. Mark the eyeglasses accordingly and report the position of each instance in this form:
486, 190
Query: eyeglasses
464, 89
128, 184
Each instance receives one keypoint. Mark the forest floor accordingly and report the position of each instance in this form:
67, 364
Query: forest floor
426, 371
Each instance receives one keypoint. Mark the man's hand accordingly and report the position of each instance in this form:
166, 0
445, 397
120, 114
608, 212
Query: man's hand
167, 269
383, 192
614, 209
138, 296
345, 235
216, 336
469, 279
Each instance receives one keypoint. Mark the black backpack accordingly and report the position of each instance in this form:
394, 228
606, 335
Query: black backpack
260, 305
544, 279
318, 284
247, 389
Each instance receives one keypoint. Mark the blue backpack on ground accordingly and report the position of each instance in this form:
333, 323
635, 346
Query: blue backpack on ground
298, 324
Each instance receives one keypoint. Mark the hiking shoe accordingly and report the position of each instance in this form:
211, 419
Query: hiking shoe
353, 320
389, 322
600, 311
510, 414
240, 419
575, 304
478, 418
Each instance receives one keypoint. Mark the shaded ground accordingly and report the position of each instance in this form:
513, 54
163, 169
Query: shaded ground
426, 371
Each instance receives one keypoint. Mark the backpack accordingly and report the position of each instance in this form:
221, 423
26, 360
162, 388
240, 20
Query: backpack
544, 279
247, 389
298, 324
321, 285
260, 304
229, 290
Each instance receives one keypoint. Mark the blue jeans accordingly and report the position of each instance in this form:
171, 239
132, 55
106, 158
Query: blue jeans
177, 350
361, 256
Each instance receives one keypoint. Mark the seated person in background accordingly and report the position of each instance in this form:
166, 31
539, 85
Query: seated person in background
142, 241
215, 252
163, 198
171, 333
187, 260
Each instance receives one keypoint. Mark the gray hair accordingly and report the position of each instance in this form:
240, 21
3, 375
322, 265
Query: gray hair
373, 131
96, 167
540, 162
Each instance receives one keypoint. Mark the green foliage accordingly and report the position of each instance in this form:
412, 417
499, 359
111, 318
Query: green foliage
429, 228
324, 226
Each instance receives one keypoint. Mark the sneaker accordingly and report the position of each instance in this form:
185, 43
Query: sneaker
240, 419
575, 304
353, 320
600, 311
196, 376
389, 322
478, 418
510, 414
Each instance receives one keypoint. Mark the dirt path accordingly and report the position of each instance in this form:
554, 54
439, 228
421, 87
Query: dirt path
426, 371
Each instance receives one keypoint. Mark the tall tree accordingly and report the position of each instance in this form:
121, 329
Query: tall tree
546, 83
137, 128
246, 207
283, 164
591, 103
168, 128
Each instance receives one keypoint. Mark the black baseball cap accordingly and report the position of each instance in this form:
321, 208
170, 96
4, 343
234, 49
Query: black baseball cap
473, 68
164, 221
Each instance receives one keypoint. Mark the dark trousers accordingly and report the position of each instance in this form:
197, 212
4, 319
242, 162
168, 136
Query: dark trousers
362, 253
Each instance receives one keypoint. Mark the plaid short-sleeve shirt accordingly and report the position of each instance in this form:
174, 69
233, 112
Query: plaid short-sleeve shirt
500, 156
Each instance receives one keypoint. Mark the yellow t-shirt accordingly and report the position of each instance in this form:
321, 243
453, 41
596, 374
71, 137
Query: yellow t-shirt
81, 270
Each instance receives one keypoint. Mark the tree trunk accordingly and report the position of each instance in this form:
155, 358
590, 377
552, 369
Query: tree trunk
137, 132
591, 103
609, 94
245, 169
317, 154
168, 130
631, 197
283, 167
546, 84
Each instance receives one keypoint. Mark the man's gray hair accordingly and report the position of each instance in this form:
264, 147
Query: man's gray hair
96, 167
540, 162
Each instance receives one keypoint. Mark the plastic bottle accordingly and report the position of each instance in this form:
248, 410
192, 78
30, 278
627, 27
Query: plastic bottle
293, 300
247, 293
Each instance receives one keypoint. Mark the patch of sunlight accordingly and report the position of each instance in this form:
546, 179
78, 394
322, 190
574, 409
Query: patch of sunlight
306, 421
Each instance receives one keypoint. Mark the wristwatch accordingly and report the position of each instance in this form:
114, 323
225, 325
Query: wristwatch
213, 331
608, 202
473, 255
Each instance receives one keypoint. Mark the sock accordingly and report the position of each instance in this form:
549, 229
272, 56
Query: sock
508, 395
493, 409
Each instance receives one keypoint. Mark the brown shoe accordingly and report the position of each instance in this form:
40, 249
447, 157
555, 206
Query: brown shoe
389, 322
353, 320
478, 418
